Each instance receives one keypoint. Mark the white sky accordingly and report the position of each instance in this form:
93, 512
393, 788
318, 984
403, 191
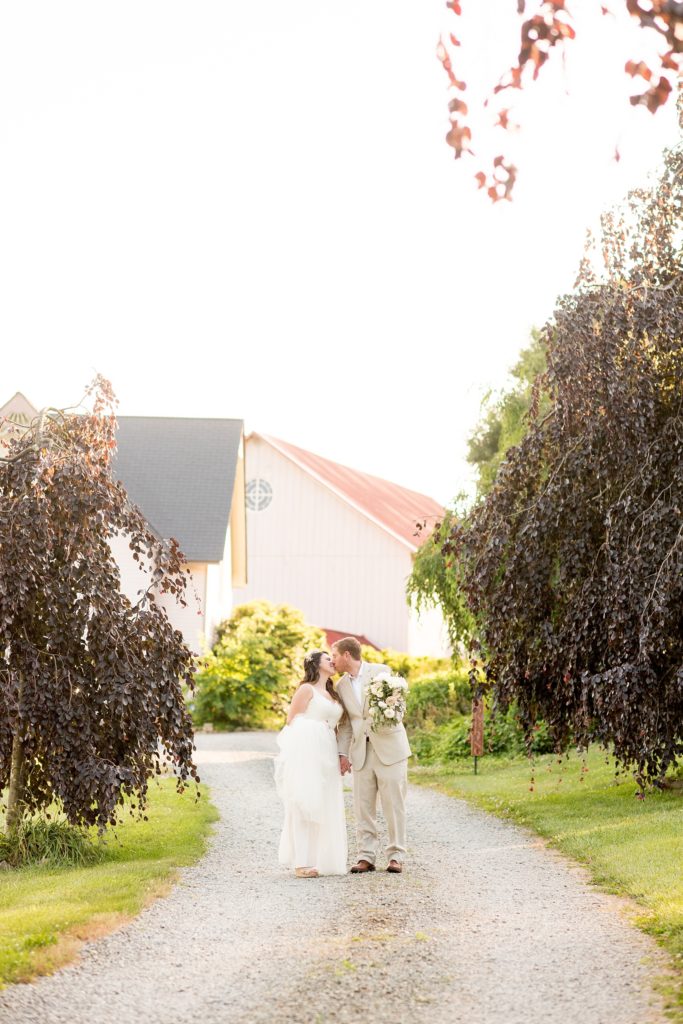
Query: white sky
248, 209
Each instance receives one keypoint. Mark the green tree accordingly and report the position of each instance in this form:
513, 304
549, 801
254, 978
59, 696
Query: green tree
505, 419
435, 579
434, 582
256, 661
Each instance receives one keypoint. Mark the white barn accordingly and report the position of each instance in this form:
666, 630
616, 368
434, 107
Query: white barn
338, 544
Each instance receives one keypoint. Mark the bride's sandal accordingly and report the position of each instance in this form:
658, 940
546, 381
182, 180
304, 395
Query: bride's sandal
306, 872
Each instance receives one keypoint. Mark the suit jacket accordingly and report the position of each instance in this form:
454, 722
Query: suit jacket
389, 742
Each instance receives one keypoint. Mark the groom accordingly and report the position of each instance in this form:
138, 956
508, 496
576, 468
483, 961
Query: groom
379, 760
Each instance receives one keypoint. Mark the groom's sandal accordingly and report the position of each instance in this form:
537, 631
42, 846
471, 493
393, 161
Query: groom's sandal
395, 867
361, 867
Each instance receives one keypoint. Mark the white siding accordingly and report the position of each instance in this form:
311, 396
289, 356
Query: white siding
312, 550
189, 620
219, 594
428, 634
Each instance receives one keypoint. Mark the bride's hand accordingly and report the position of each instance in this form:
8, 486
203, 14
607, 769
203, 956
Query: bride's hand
344, 764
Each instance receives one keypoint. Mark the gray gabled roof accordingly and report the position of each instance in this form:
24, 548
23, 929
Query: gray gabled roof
181, 473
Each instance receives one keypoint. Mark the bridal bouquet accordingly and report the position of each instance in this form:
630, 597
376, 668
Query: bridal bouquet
387, 699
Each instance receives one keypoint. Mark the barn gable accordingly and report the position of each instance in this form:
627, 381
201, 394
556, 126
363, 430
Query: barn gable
319, 540
394, 508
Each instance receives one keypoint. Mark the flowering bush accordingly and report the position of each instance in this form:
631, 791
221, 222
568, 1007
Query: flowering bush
247, 679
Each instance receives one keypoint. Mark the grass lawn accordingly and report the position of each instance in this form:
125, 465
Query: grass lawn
631, 847
46, 912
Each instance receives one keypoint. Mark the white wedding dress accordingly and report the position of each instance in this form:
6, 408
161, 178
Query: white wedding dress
309, 782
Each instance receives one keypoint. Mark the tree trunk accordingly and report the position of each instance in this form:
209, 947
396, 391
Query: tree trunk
17, 775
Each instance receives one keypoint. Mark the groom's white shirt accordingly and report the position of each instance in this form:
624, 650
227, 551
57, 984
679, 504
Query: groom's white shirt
357, 684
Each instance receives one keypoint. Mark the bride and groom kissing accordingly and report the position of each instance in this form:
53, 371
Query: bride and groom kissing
330, 731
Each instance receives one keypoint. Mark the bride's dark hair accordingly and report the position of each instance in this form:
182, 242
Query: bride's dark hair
312, 673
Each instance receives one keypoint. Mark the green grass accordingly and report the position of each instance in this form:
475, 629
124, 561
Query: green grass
631, 847
46, 912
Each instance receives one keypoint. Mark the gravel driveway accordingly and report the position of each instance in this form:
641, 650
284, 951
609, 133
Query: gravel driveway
486, 926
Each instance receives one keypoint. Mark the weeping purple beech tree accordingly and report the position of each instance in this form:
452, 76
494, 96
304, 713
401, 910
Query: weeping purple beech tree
91, 684
572, 564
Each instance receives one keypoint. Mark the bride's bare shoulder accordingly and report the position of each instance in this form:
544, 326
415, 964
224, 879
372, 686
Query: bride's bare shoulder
300, 701
303, 691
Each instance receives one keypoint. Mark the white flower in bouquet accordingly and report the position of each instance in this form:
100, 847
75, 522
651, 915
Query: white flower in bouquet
387, 700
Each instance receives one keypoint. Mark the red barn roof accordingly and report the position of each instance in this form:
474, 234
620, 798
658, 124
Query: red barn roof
332, 635
392, 507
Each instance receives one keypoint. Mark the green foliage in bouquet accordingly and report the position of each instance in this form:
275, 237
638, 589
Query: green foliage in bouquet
257, 659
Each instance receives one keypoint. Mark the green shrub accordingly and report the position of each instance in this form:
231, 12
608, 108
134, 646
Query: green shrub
422, 743
447, 742
39, 841
407, 665
253, 667
436, 743
437, 699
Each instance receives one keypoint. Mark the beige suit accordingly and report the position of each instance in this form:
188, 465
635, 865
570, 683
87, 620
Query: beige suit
380, 766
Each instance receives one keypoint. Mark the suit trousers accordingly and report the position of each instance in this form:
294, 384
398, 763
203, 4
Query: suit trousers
390, 782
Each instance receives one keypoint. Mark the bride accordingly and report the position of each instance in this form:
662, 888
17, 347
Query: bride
308, 777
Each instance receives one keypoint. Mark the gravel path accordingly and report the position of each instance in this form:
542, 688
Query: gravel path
486, 926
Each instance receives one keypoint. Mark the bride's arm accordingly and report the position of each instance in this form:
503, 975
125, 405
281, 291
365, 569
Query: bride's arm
344, 736
300, 701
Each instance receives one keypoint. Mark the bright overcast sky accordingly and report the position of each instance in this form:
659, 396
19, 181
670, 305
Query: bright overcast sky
247, 209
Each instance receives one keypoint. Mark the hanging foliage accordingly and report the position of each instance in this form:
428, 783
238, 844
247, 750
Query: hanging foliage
572, 564
546, 27
90, 683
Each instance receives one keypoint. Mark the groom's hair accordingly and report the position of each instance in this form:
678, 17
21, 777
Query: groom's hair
349, 645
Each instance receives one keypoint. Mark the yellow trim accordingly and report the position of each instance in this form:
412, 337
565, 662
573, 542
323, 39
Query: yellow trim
238, 523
